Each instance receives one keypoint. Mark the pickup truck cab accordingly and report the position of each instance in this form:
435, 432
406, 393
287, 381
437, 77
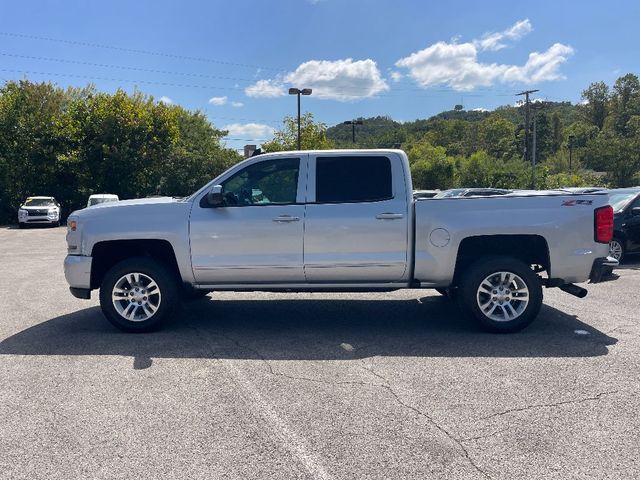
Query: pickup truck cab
336, 220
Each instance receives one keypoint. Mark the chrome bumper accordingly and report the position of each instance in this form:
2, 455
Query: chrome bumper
77, 271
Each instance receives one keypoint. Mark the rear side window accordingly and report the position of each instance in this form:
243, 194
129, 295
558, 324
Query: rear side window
353, 179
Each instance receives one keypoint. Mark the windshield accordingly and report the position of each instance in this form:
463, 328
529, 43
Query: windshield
620, 200
39, 202
96, 201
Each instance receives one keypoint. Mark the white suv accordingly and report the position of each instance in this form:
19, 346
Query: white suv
39, 210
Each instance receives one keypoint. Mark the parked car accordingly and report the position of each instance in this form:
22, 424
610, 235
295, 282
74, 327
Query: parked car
101, 198
330, 220
472, 192
626, 223
425, 193
39, 210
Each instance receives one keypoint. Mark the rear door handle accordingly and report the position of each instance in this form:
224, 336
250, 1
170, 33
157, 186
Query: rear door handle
389, 216
286, 219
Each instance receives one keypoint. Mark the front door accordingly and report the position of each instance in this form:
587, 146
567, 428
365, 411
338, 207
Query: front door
257, 235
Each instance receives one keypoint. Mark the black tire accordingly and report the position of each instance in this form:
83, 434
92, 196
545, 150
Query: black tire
192, 294
469, 296
168, 287
21, 225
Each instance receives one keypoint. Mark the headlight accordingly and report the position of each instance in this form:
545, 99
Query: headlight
22, 212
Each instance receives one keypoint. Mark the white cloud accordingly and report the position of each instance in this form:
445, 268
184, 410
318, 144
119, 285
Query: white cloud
337, 80
340, 79
249, 131
265, 88
493, 41
479, 109
218, 100
165, 100
456, 64
237, 104
396, 76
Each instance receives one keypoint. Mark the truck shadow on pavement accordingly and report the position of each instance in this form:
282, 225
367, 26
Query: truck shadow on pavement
290, 329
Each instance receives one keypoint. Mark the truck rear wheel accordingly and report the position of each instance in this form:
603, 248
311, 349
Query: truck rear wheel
502, 293
138, 295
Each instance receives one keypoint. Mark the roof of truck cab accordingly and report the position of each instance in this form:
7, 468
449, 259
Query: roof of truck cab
342, 151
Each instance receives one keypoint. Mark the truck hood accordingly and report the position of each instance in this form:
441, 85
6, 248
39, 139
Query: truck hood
122, 206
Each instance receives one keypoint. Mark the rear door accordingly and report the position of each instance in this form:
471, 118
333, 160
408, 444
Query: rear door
357, 218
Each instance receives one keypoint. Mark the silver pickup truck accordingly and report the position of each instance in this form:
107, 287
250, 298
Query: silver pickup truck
336, 220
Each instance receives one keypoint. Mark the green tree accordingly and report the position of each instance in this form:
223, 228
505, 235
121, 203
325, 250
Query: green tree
313, 135
595, 108
625, 103
496, 136
431, 168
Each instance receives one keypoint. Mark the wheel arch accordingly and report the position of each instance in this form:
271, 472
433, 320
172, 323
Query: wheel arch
108, 253
530, 249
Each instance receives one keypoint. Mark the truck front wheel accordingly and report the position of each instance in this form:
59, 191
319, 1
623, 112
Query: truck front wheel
138, 295
502, 293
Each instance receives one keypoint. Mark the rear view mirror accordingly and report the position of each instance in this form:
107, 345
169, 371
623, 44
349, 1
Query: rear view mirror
635, 211
214, 196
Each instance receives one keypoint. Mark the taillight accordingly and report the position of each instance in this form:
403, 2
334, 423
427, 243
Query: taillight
603, 224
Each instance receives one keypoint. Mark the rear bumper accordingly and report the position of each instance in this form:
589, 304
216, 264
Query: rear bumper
77, 271
601, 269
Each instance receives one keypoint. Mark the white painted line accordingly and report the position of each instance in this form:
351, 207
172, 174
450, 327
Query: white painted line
581, 332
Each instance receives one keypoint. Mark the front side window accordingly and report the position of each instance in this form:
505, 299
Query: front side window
271, 182
353, 179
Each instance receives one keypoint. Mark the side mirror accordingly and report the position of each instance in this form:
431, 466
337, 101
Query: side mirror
214, 196
635, 211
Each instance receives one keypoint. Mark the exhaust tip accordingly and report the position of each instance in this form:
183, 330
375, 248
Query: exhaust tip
574, 290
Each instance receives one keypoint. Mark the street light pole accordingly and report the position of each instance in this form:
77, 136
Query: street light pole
298, 92
353, 124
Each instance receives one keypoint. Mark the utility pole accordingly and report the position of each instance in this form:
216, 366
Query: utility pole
571, 138
353, 124
527, 106
533, 156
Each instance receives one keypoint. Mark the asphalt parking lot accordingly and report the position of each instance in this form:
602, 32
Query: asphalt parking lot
312, 386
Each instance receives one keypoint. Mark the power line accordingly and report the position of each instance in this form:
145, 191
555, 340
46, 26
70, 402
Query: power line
134, 50
124, 80
122, 67
210, 87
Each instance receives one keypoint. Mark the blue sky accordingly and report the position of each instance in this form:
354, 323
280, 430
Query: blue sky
405, 59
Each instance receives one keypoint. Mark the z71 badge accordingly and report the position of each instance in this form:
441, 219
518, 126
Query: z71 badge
571, 203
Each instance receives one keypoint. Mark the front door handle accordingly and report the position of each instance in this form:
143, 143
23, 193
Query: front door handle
389, 216
286, 219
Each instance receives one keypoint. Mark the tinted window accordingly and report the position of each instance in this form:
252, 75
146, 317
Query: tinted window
353, 179
264, 183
